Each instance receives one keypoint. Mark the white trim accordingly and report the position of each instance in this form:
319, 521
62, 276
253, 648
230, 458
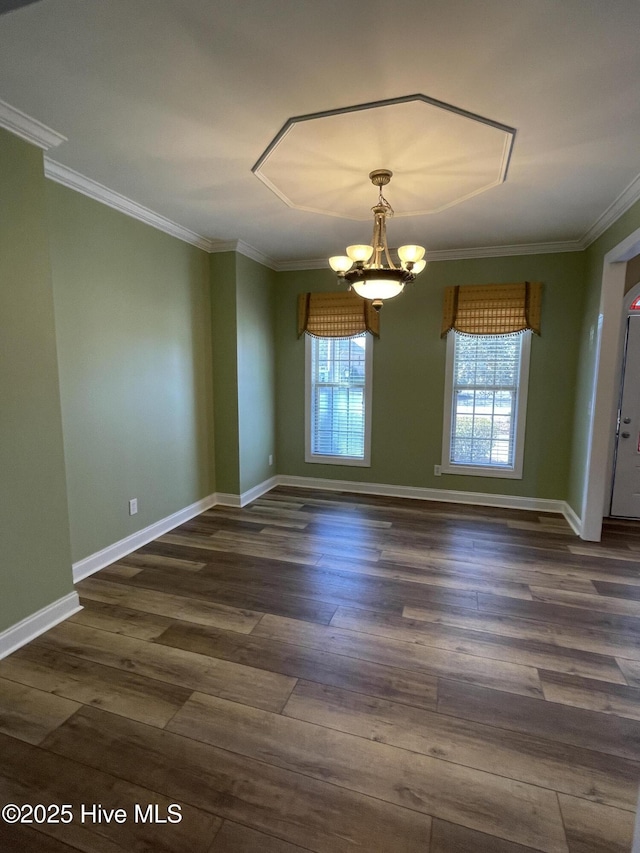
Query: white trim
227, 499
74, 180
423, 494
258, 491
28, 629
453, 254
242, 248
29, 129
238, 501
309, 456
520, 416
505, 251
628, 197
573, 519
606, 334
94, 562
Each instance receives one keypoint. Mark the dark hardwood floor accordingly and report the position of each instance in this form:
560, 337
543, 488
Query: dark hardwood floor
343, 674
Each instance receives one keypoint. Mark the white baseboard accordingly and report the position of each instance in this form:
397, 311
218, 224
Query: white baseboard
225, 499
95, 562
573, 519
416, 493
31, 627
258, 491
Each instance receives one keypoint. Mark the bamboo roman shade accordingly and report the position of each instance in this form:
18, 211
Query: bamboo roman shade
336, 315
492, 309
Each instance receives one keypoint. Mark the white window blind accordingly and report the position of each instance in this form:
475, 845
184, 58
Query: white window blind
484, 418
338, 399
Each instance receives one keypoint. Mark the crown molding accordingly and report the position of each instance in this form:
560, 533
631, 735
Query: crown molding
245, 249
457, 254
37, 133
628, 197
75, 181
29, 129
505, 251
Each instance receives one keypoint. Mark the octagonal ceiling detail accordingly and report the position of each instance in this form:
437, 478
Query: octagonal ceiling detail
440, 155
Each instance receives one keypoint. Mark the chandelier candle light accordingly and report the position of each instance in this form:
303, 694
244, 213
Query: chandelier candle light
370, 278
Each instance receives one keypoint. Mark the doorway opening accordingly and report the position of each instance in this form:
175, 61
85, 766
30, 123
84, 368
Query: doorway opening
625, 487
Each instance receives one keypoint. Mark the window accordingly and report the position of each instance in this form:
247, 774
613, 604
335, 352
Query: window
485, 404
338, 400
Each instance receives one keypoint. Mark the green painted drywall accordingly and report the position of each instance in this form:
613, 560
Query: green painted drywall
243, 371
408, 378
35, 567
594, 259
222, 270
134, 341
256, 371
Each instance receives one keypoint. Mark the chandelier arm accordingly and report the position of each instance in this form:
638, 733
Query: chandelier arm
376, 241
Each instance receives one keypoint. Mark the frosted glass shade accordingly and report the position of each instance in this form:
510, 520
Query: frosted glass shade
360, 253
378, 289
340, 263
418, 267
411, 254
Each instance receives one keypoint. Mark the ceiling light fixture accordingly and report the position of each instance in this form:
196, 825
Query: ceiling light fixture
370, 277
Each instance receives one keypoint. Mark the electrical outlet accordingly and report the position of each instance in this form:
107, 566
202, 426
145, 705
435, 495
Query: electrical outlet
437, 470
133, 506
271, 459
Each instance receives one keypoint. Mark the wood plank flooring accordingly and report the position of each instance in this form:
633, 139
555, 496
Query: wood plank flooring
339, 673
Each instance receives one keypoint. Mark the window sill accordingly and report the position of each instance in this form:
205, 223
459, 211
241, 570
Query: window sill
338, 460
482, 471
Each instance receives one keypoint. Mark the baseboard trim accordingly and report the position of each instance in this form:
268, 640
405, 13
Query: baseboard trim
238, 501
28, 629
258, 491
94, 562
416, 493
227, 499
573, 519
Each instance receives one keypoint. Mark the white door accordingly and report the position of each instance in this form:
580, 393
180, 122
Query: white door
626, 476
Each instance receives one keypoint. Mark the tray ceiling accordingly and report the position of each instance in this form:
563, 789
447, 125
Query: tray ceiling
171, 102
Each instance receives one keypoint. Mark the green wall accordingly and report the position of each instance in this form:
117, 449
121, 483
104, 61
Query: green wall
408, 378
243, 371
594, 260
134, 341
222, 268
35, 568
256, 372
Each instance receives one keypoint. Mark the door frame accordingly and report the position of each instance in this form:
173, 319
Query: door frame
629, 297
608, 341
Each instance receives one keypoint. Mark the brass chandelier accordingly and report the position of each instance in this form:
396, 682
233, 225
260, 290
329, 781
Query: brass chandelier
370, 278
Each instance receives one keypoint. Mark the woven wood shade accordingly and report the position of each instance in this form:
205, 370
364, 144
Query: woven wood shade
492, 309
336, 315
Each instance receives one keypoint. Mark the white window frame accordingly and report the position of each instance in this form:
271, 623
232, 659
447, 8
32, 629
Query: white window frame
365, 462
515, 472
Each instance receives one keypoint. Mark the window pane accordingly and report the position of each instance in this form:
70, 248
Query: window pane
338, 397
485, 393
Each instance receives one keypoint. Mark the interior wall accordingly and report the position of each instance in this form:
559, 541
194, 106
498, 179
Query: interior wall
133, 329
256, 372
408, 378
224, 322
35, 559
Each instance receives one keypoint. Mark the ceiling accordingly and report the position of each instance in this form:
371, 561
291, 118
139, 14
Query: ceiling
170, 103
